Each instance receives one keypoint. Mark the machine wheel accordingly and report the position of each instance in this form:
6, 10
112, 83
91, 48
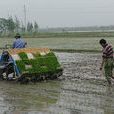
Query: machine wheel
4, 75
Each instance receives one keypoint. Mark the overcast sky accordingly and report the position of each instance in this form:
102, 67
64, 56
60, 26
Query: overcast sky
61, 13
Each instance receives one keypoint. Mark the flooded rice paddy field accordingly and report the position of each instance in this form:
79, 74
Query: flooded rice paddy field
88, 43
82, 89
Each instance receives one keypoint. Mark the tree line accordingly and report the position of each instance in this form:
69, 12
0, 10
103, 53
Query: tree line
11, 25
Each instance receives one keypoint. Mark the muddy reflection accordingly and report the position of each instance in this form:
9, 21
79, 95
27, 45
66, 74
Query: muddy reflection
81, 90
29, 97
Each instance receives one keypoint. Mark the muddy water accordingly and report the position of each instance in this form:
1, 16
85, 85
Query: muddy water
81, 90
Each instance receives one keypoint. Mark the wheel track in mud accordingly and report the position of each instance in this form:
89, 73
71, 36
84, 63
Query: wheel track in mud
84, 89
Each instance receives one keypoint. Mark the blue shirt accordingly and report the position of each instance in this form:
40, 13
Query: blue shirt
18, 43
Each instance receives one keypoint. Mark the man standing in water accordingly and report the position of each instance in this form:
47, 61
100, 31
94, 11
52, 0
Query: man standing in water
107, 60
18, 43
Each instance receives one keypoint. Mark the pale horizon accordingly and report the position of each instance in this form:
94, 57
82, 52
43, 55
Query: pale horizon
61, 13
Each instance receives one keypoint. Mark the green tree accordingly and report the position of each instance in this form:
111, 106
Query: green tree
17, 24
36, 27
23, 29
29, 27
10, 24
3, 25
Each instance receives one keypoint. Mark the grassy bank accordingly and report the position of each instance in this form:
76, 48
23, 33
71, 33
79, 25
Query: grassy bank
61, 34
74, 50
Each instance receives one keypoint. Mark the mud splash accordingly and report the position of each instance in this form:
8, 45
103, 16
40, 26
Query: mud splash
81, 90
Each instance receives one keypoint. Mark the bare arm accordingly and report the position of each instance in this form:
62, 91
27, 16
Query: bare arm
103, 61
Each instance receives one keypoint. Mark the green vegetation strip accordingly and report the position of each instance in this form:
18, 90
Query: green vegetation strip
60, 34
74, 50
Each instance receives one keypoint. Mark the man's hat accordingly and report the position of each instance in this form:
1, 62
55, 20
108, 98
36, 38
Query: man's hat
17, 35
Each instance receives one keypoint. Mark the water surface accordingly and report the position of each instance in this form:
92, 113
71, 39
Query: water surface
82, 89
